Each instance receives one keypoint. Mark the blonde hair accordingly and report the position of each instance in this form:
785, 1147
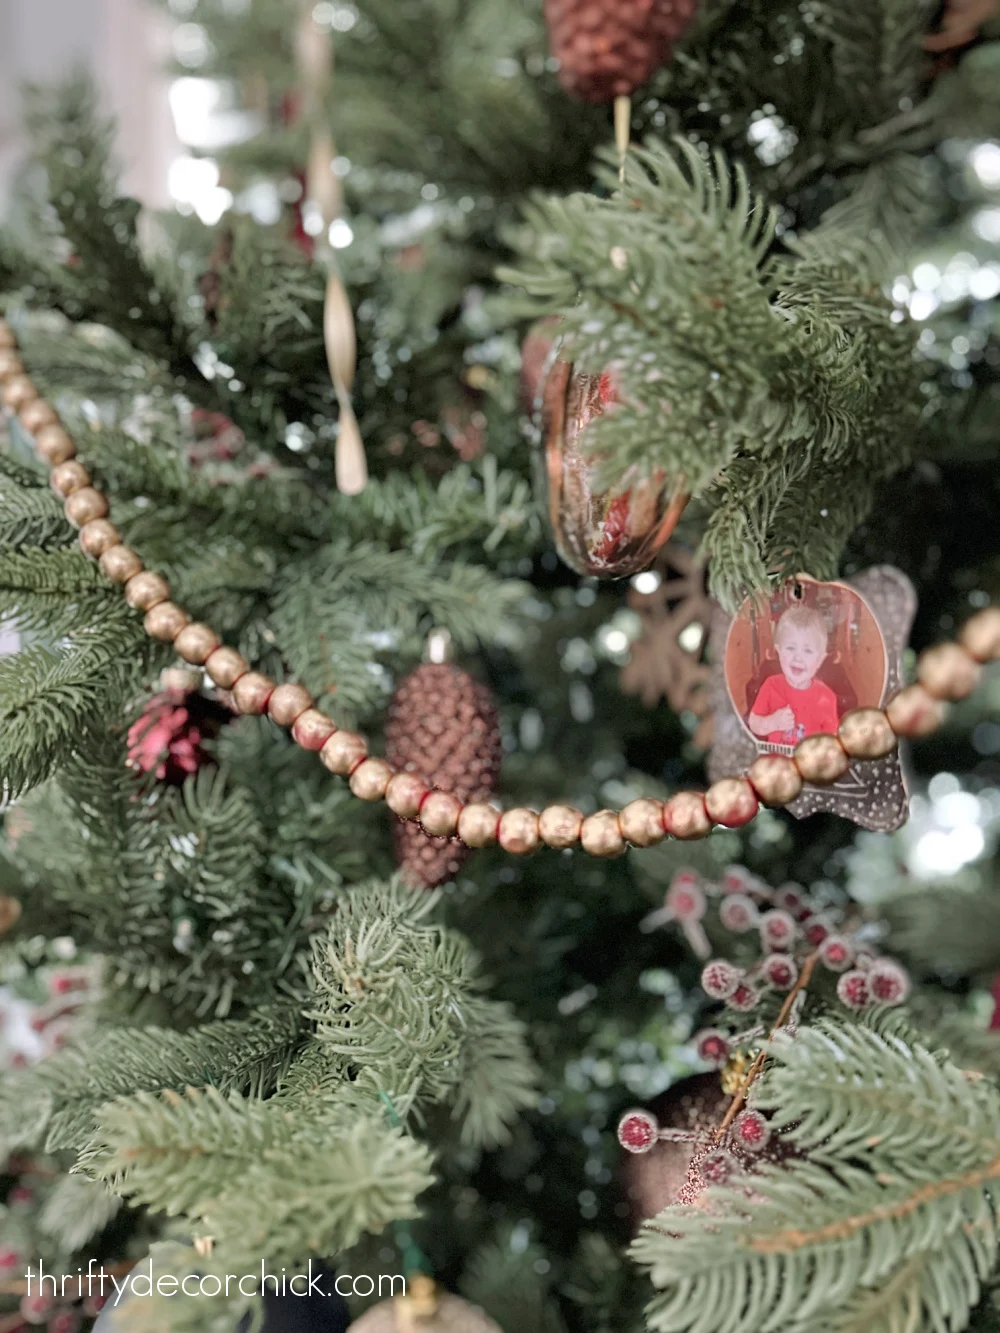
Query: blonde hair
802, 617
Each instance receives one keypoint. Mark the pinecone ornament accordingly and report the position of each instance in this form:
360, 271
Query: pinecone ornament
442, 726
608, 48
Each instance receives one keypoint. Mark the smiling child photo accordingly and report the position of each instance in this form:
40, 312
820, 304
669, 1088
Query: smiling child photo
796, 664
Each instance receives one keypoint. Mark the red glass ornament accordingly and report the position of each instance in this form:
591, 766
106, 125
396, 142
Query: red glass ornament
608, 531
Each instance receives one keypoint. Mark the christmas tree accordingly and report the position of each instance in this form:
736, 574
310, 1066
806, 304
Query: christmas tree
526, 362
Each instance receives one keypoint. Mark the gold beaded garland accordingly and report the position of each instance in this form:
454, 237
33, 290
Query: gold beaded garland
865, 733
518, 831
120, 563
38, 414
165, 621
980, 636
343, 752
312, 729
821, 759
948, 671
54, 445
18, 392
195, 642
10, 364
439, 812
731, 802
478, 824
252, 691
85, 505
405, 794
685, 816
912, 712
69, 477
98, 536
641, 822
559, 826
145, 590
601, 836
775, 779
370, 779
287, 703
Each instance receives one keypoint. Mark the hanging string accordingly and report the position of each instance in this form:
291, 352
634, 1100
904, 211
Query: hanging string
415, 1262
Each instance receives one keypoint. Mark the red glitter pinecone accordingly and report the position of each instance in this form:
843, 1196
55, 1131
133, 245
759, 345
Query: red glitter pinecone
443, 727
608, 48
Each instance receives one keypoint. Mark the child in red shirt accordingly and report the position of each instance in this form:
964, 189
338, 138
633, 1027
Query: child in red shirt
793, 705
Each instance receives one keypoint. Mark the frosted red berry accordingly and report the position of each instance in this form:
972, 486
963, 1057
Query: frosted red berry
685, 900
816, 931
887, 982
638, 1131
780, 971
736, 880
717, 1167
790, 898
720, 979
712, 1047
738, 913
852, 989
744, 998
777, 929
751, 1131
836, 953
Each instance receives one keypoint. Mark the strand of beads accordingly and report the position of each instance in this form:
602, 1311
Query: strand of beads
945, 672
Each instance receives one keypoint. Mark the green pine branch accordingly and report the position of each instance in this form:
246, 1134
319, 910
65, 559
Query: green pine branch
885, 1222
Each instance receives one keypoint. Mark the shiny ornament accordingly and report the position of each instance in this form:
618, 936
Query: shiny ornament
425, 1309
442, 730
610, 531
608, 48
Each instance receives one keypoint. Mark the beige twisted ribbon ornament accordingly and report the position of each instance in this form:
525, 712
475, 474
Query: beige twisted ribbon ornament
314, 58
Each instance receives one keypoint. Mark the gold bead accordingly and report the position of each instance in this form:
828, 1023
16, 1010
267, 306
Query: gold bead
10, 364
343, 752
641, 822
38, 414
913, 712
85, 505
252, 691
97, 537
685, 816
146, 589
165, 621
518, 831
404, 795
559, 826
224, 666
7, 337
775, 779
312, 729
980, 635
821, 759
731, 802
865, 734
600, 835
478, 824
54, 445
196, 642
947, 671
18, 392
439, 812
287, 702
370, 779
69, 477
120, 563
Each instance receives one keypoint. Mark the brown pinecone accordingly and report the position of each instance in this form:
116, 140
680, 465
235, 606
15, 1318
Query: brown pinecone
442, 726
607, 48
